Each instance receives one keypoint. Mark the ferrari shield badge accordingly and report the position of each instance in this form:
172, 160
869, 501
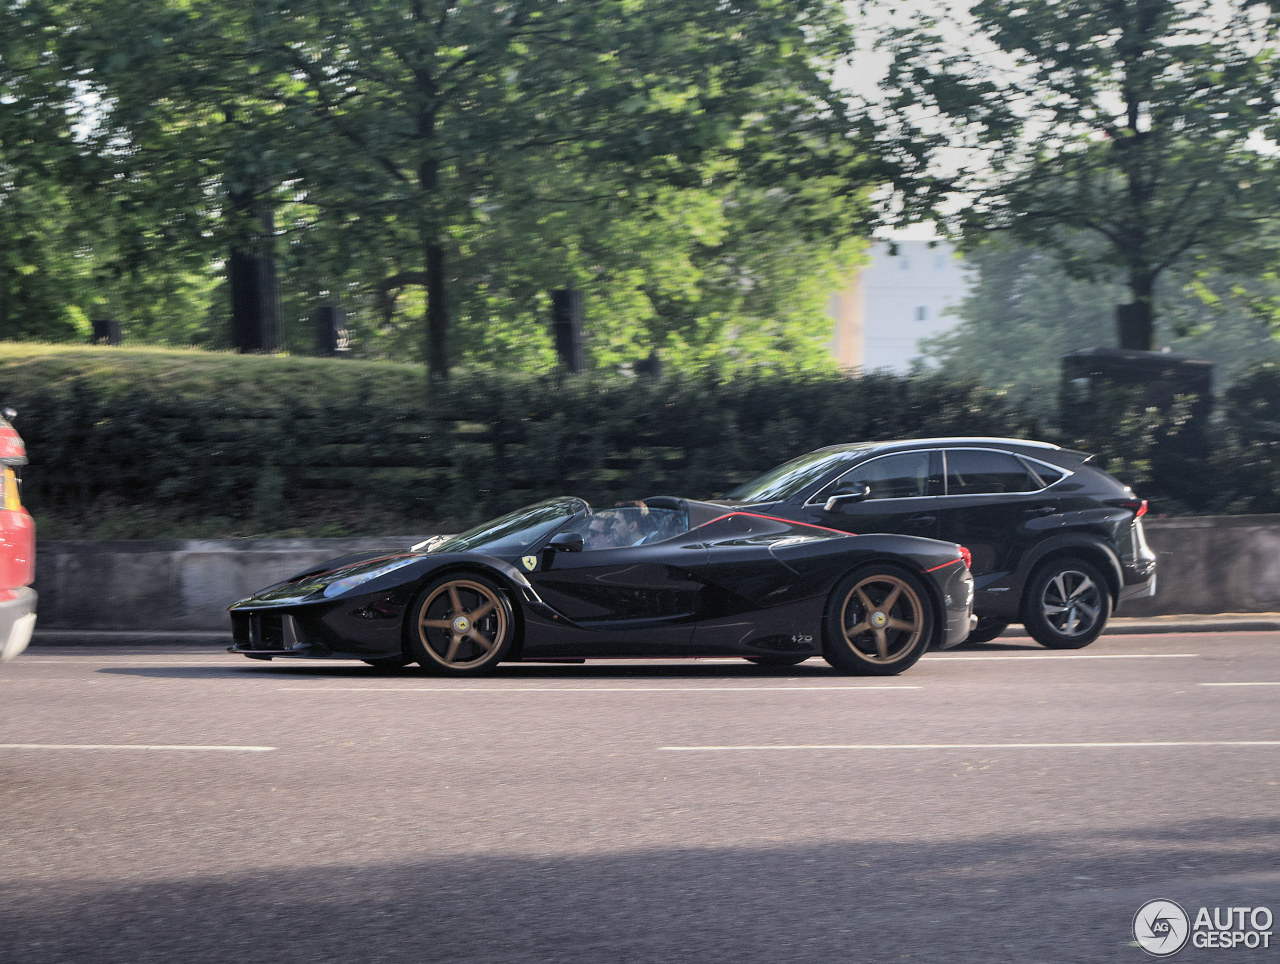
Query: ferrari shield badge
530, 562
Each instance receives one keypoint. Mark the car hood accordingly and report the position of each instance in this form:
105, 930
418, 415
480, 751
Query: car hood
371, 572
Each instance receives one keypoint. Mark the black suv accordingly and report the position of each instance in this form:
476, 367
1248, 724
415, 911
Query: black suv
1057, 543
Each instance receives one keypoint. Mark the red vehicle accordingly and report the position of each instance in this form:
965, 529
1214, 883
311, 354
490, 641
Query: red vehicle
17, 548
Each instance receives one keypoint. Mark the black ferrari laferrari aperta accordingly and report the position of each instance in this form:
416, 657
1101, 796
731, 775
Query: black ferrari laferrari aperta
662, 577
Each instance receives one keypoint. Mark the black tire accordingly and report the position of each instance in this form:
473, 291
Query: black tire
988, 628
879, 621
460, 625
776, 659
1067, 604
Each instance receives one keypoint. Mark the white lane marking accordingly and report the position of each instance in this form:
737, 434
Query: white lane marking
135, 746
976, 746
29, 659
171, 659
462, 690
1241, 684
1047, 656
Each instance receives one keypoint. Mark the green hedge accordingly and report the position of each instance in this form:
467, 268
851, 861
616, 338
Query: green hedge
134, 460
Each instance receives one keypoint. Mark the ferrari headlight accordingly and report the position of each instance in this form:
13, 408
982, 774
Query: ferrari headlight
347, 583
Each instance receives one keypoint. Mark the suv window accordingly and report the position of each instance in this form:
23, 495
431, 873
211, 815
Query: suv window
1049, 474
981, 471
901, 476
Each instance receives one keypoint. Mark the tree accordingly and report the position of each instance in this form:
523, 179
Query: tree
464, 122
190, 149
1136, 135
688, 165
37, 212
1024, 312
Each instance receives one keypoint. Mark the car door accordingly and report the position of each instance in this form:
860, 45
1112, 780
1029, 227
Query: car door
763, 575
996, 506
900, 498
635, 600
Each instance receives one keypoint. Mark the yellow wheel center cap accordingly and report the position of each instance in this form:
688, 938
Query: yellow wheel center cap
461, 624
879, 620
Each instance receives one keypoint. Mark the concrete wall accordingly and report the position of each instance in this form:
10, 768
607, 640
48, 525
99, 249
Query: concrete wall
171, 584
1218, 564
1207, 565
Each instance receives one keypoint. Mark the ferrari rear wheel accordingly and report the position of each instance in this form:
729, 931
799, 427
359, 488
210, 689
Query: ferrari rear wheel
878, 623
460, 625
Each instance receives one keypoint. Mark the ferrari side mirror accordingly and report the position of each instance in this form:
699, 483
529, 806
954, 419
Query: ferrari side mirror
567, 542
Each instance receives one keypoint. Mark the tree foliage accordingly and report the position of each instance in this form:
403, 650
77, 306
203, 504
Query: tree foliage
1135, 136
435, 167
1025, 311
37, 212
604, 146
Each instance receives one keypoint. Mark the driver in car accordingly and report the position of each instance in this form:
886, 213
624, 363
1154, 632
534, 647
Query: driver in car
627, 524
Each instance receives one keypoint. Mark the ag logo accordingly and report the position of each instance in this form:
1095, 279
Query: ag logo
530, 562
1161, 928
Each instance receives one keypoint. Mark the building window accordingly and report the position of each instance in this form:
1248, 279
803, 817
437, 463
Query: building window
922, 312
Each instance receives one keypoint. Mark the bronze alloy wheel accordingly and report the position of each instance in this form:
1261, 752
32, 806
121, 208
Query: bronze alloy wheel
880, 623
461, 624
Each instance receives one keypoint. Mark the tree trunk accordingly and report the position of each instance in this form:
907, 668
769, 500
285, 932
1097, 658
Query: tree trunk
437, 316
1136, 326
1136, 322
251, 275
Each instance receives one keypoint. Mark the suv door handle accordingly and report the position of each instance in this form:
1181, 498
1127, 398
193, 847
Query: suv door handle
1041, 510
920, 520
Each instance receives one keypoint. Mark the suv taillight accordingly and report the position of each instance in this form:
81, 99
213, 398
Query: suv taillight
966, 555
1137, 506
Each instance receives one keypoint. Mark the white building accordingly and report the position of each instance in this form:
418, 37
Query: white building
902, 295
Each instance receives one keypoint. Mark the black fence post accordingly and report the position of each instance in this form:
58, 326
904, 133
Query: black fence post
331, 331
107, 331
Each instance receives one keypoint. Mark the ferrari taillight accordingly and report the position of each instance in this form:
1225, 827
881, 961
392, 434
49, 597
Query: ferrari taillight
966, 555
1137, 506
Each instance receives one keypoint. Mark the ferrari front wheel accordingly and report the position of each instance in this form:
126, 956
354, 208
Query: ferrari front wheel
878, 622
460, 625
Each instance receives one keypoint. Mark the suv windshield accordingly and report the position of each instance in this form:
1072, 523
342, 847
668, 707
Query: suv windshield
788, 479
517, 530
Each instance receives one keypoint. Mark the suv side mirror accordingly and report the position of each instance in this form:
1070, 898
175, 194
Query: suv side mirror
856, 493
567, 542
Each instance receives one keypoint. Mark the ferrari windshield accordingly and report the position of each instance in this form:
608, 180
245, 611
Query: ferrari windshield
788, 479
515, 531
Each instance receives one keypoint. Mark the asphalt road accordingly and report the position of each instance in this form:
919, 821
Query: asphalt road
1003, 803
